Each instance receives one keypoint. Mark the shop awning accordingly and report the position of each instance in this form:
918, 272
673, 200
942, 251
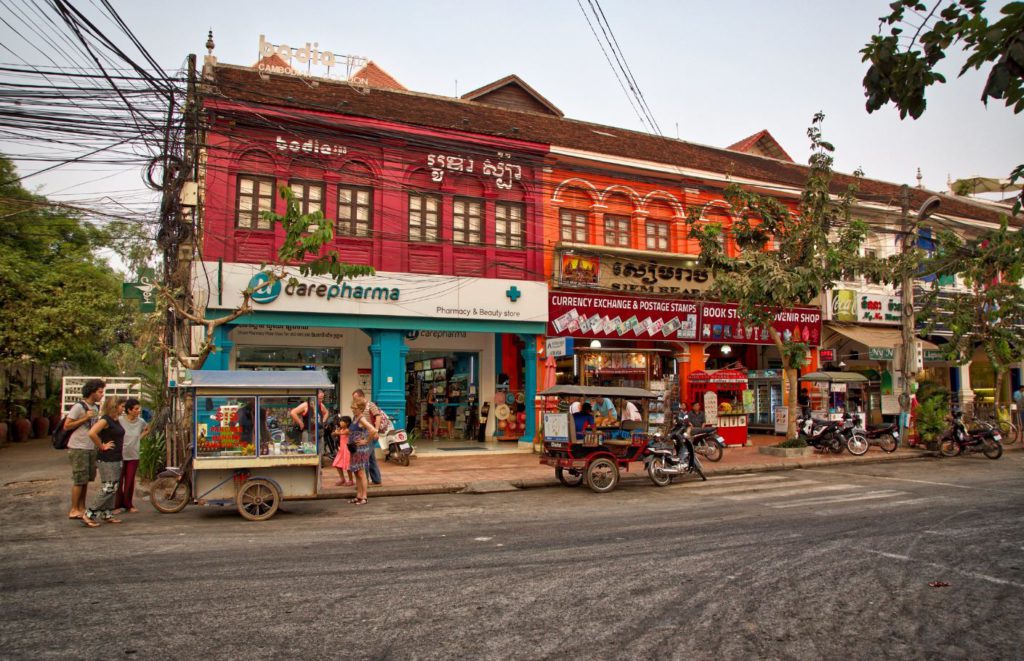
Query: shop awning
872, 336
835, 377
243, 379
598, 391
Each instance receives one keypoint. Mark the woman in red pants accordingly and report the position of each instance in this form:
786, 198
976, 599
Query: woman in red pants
134, 429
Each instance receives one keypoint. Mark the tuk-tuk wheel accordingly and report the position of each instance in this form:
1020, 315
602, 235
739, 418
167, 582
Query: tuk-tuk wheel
569, 477
258, 499
602, 475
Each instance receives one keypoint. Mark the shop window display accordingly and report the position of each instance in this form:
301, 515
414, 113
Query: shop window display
280, 435
225, 426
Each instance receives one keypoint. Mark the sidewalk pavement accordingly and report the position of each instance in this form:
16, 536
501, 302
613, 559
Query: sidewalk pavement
35, 464
485, 472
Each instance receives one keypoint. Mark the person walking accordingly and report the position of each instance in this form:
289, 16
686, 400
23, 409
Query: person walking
81, 449
135, 429
363, 435
381, 424
108, 435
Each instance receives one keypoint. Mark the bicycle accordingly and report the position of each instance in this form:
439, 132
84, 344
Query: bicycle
1003, 420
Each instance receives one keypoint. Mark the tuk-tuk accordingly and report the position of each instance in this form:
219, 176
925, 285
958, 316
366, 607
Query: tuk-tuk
597, 456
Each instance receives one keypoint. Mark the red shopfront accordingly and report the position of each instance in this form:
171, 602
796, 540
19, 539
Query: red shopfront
699, 335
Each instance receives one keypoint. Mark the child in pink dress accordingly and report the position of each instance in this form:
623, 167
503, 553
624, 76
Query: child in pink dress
343, 459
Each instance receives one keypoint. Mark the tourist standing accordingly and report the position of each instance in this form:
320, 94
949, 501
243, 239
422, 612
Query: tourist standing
108, 435
81, 449
381, 424
135, 428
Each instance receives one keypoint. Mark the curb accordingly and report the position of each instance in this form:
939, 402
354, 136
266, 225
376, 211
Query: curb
544, 482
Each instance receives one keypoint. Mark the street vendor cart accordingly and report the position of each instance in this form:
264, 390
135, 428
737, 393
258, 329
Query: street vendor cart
247, 449
721, 393
832, 394
596, 457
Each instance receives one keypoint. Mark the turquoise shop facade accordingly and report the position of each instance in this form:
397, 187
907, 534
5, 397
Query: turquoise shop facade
373, 322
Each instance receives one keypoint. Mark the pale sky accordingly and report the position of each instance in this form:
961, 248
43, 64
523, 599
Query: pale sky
719, 70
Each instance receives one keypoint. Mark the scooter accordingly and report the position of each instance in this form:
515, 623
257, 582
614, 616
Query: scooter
856, 442
667, 461
959, 440
823, 435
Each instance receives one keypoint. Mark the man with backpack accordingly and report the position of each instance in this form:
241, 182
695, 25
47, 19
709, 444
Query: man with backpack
82, 452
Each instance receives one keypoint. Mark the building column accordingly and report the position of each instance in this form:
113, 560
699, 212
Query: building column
965, 395
220, 357
387, 379
529, 353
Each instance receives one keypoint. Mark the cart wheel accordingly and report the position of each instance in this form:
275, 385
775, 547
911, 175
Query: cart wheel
568, 476
168, 495
602, 475
258, 499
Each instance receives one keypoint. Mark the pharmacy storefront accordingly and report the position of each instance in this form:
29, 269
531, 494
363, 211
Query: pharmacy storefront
395, 335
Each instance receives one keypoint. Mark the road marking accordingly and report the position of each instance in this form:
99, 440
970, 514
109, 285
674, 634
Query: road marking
928, 482
746, 476
971, 574
803, 491
713, 485
845, 498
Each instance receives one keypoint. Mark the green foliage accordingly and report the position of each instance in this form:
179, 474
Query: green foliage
152, 455
900, 71
795, 442
60, 302
991, 315
307, 234
786, 259
931, 418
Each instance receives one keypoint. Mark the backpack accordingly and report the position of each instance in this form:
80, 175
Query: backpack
60, 436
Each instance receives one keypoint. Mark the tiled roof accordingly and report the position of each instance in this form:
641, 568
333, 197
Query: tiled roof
377, 77
764, 142
241, 84
517, 82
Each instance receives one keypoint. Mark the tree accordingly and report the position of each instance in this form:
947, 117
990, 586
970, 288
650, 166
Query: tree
991, 317
305, 236
785, 259
60, 302
900, 73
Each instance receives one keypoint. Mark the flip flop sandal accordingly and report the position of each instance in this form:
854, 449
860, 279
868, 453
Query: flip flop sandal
112, 520
88, 523
359, 501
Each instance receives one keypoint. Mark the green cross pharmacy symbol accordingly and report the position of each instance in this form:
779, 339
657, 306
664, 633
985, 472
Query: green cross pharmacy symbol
513, 293
142, 291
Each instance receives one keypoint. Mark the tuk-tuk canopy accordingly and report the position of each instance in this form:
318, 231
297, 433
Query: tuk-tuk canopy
835, 377
598, 391
246, 380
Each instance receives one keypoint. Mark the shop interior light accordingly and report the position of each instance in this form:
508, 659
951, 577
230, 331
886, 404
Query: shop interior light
595, 344
726, 350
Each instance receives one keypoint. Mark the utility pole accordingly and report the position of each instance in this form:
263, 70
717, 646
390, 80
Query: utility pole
907, 312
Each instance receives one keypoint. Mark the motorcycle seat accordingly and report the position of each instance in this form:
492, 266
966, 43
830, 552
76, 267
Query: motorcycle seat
699, 431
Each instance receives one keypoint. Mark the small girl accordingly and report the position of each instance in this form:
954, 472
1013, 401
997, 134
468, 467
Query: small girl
343, 459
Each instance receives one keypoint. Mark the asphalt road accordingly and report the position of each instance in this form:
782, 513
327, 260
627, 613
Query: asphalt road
809, 564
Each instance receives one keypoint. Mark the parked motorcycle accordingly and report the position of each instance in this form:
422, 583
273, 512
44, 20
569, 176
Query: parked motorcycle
960, 440
678, 457
822, 435
886, 437
853, 438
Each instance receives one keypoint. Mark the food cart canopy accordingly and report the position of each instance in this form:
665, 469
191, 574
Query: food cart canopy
872, 336
598, 391
835, 377
295, 380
